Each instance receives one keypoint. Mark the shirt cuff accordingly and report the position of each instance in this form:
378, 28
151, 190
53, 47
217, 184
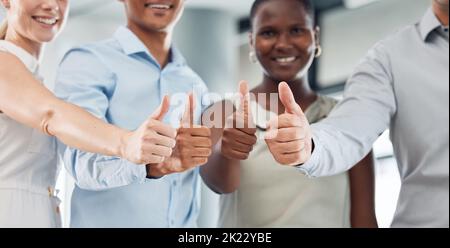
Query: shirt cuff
138, 172
311, 165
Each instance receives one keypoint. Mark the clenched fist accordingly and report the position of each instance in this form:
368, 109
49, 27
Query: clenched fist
239, 135
289, 137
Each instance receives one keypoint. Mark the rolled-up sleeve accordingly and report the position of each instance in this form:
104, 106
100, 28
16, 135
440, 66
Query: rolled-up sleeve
348, 134
85, 81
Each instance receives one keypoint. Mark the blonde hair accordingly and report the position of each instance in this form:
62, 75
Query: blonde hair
3, 28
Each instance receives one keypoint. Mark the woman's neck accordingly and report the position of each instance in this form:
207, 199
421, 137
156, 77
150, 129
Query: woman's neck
300, 87
157, 42
32, 47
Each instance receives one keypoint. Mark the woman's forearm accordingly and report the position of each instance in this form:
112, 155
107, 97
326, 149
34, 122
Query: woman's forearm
27, 101
222, 175
77, 128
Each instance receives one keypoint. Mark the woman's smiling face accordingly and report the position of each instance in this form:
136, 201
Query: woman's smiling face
284, 39
36, 20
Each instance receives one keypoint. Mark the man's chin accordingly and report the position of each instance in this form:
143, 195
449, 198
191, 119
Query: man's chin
157, 27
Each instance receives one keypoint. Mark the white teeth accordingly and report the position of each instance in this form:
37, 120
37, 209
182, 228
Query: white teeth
47, 21
285, 60
158, 6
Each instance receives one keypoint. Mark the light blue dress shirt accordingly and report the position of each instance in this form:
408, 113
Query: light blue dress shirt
402, 84
119, 81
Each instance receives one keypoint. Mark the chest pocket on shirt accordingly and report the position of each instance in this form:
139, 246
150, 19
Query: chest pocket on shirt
42, 144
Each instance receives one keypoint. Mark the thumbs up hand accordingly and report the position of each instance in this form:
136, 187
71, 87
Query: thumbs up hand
153, 141
193, 146
239, 135
289, 137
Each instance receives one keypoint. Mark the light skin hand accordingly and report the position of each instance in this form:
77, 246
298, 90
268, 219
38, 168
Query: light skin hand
289, 137
239, 135
193, 146
153, 141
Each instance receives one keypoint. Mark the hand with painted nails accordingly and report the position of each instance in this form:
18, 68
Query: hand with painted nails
193, 146
239, 135
289, 137
153, 141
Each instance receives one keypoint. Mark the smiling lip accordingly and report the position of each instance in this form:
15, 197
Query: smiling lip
158, 6
50, 21
285, 60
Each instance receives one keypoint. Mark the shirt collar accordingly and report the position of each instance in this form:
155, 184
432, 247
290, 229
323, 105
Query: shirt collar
443, 31
131, 44
27, 59
428, 24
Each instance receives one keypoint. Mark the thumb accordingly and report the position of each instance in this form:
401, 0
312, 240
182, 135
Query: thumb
244, 94
188, 116
288, 100
162, 109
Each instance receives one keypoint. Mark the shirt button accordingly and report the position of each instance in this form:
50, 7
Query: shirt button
174, 183
172, 223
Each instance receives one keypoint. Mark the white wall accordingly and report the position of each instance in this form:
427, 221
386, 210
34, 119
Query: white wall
347, 35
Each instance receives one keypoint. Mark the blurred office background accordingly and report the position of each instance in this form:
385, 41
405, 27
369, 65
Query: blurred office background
213, 37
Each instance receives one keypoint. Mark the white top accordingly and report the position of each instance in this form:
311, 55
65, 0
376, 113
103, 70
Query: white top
272, 195
402, 84
28, 158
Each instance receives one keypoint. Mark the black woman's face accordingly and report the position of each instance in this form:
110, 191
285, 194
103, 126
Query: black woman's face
284, 38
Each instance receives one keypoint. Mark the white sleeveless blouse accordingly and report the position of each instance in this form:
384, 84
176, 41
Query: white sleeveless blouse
28, 166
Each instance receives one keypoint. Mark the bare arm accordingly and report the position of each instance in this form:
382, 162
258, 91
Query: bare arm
27, 101
221, 174
362, 194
